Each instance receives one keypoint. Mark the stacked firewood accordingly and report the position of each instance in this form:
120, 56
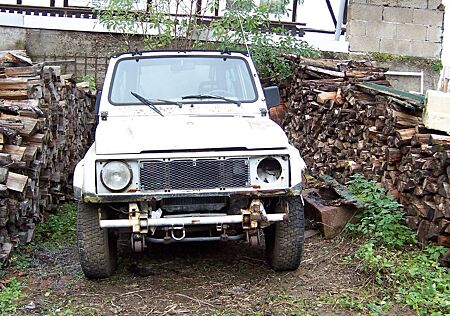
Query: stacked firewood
344, 121
45, 127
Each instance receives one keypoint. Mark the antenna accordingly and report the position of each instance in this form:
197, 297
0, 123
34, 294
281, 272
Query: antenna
243, 35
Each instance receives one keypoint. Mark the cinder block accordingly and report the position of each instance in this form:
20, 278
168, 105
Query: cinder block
396, 46
419, 4
365, 12
428, 17
357, 28
399, 15
434, 34
364, 43
411, 32
381, 29
378, 2
358, 1
434, 4
426, 49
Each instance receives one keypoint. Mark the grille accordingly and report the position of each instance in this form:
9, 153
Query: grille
193, 174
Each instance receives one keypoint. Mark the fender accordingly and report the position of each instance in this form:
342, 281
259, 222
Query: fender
297, 168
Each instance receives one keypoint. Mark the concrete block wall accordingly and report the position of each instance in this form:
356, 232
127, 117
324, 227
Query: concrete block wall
400, 27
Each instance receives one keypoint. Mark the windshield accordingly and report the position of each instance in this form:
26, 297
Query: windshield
174, 78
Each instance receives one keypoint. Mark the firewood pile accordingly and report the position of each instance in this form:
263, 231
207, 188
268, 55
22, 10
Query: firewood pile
344, 120
45, 127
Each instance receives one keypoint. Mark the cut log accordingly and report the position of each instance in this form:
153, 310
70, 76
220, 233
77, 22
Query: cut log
16, 182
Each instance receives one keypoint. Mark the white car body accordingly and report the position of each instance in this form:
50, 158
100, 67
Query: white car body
216, 130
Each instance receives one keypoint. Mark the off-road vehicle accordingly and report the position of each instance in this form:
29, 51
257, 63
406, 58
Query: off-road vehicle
185, 151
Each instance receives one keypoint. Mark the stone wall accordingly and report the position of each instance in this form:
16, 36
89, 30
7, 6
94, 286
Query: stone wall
400, 27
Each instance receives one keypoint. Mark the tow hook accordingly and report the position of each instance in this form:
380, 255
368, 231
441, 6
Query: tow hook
254, 215
136, 218
180, 229
137, 243
253, 218
139, 220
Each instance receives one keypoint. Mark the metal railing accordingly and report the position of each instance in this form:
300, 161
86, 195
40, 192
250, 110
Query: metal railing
80, 65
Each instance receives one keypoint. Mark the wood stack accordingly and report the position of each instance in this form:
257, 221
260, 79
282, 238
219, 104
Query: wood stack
344, 120
45, 127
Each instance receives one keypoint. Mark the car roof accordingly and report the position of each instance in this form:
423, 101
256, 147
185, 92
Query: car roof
176, 52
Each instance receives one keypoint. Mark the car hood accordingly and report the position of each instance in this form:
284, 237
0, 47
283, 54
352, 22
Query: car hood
125, 135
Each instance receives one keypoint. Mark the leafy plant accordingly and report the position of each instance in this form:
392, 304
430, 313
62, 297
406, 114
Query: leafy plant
90, 81
411, 277
382, 219
181, 24
436, 65
9, 297
59, 229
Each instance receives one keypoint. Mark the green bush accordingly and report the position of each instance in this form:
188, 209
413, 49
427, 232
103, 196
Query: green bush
382, 220
9, 297
59, 229
390, 254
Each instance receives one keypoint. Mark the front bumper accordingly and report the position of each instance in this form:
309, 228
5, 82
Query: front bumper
142, 197
141, 222
145, 223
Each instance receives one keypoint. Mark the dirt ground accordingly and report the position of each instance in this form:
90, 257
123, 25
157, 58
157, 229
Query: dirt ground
196, 279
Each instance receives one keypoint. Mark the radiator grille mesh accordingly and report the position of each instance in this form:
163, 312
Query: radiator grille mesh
193, 174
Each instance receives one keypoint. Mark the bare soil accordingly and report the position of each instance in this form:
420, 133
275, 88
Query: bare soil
196, 279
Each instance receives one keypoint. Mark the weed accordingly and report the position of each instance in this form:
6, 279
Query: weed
382, 219
89, 79
411, 277
295, 305
9, 297
59, 229
20, 259
436, 65
382, 57
361, 301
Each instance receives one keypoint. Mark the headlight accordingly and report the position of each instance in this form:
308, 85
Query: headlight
269, 170
116, 175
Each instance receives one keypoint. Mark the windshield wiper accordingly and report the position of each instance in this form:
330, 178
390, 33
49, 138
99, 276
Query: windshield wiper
147, 102
207, 96
171, 102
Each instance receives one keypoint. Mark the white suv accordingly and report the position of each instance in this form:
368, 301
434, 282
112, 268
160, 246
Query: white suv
185, 151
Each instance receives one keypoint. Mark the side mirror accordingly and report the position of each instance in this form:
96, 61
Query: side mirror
272, 95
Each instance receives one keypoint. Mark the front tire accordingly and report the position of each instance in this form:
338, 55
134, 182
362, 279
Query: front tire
97, 247
285, 240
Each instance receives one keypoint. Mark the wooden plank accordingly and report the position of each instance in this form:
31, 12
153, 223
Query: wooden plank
16, 182
332, 73
17, 59
29, 123
21, 71
14, 94
30, 152
325, 96
417, 100
16, 152
37, 138
29, 107
3, 174
343, 192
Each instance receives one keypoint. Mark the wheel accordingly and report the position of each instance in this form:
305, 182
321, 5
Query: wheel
97, 247
285, 240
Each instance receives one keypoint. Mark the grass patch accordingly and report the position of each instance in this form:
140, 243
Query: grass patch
403, 272
59, 229
21, 259
9, 297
